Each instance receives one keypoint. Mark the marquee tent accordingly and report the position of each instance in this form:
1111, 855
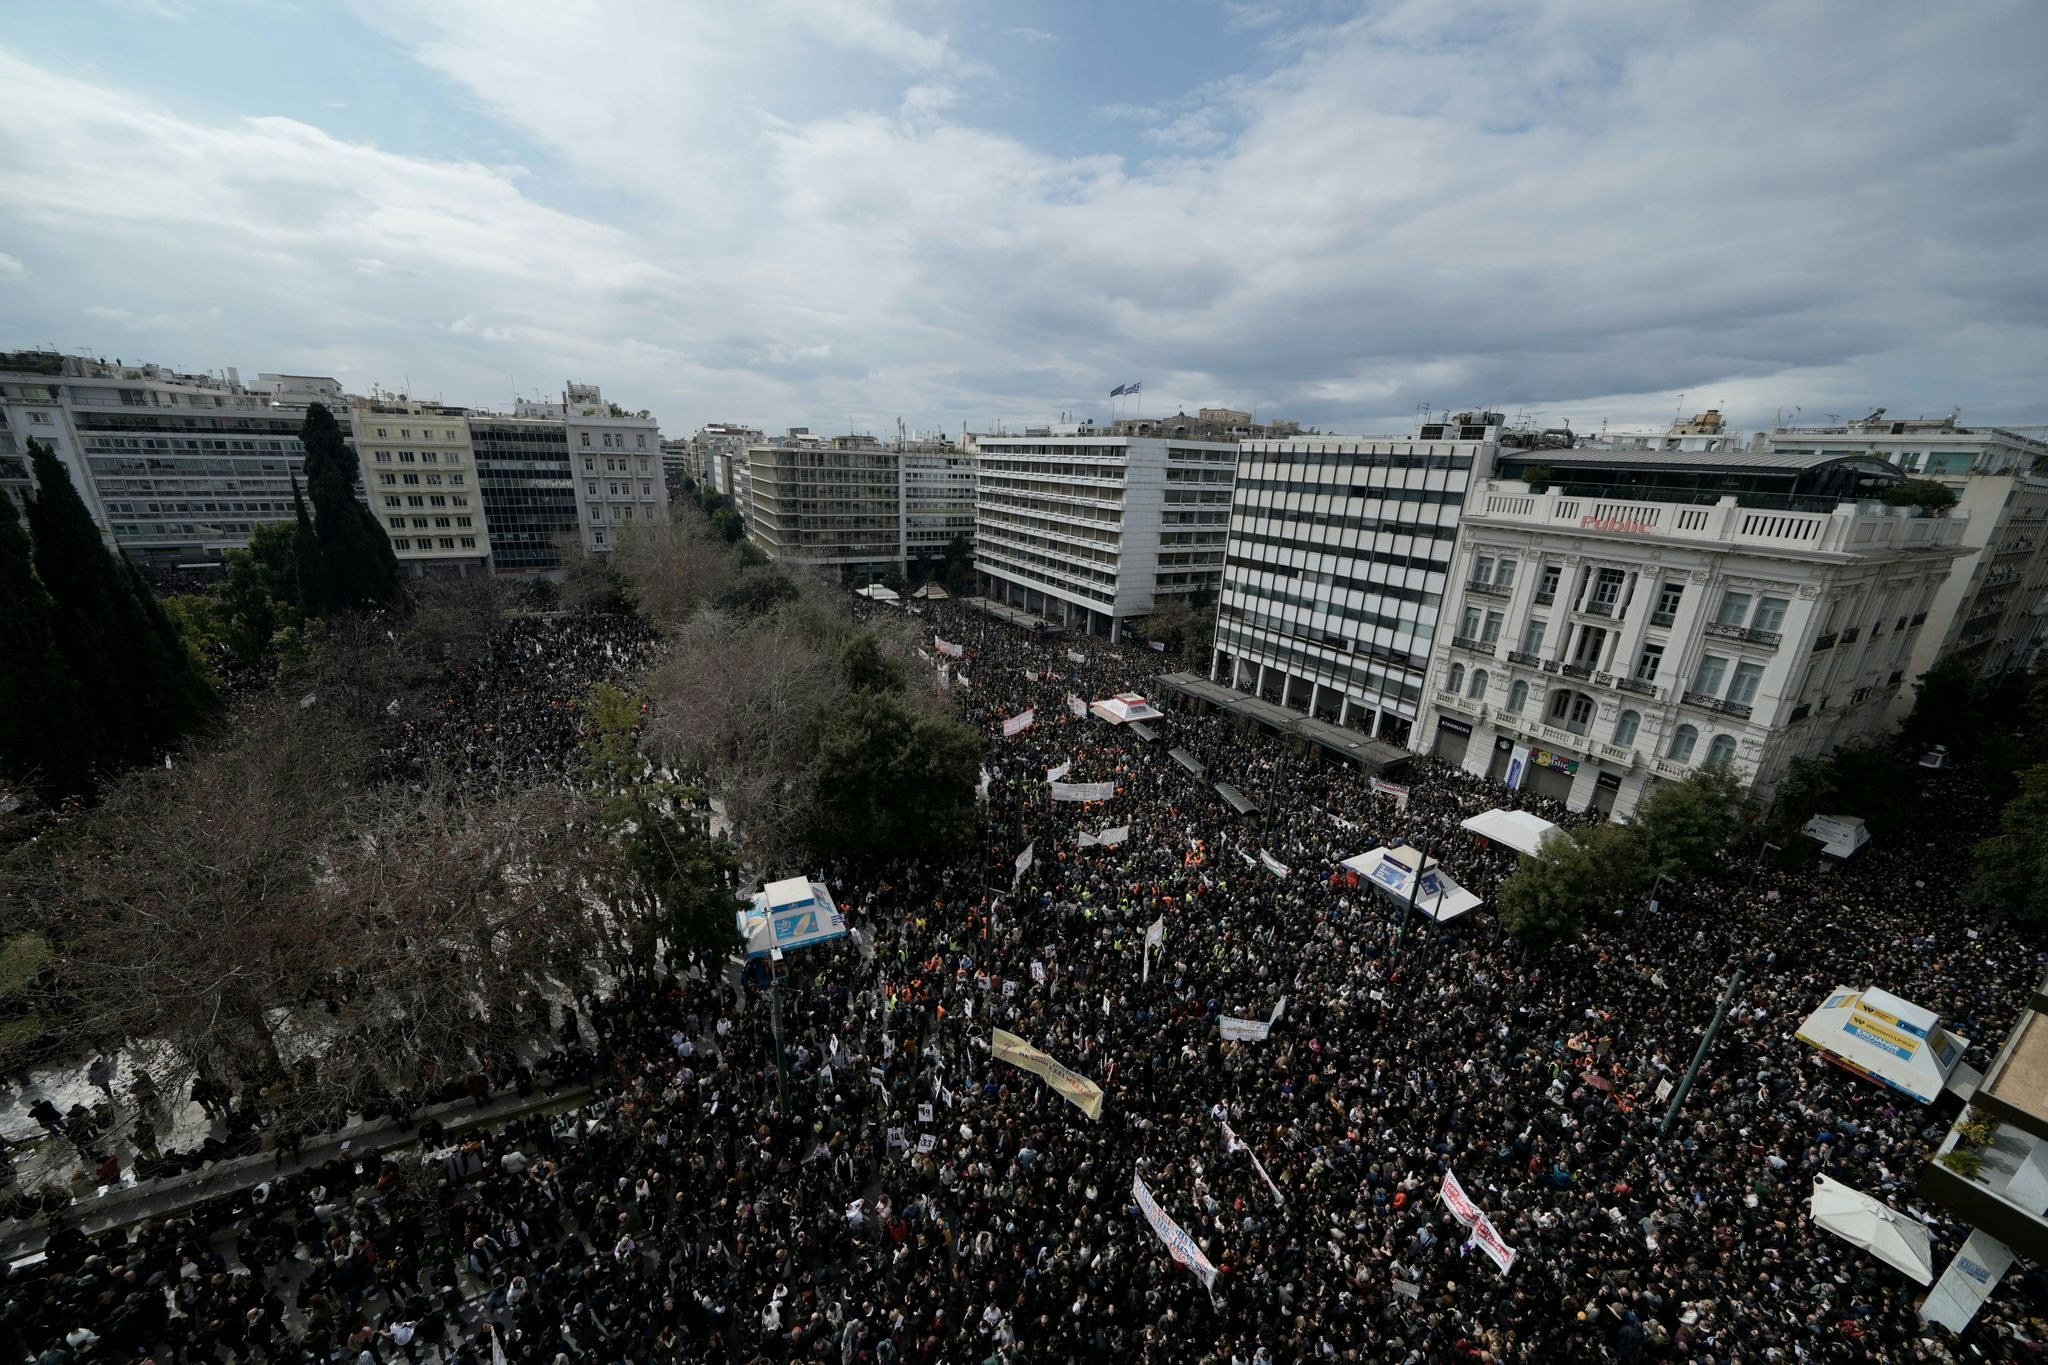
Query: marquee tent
1901, 1242
1124, 708
1885, 1039
1519, 830
1392, 870
878, 593
932, 592
1839, 835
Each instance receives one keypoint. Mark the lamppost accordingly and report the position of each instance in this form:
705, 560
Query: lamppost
1662, 877
1753, 867
1414, 885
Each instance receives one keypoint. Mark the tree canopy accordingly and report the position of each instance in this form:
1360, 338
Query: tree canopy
349, 561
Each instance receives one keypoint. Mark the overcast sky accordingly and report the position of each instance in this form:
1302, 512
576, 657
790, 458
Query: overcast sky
838, 212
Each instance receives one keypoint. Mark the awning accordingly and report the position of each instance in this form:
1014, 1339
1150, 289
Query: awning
1518, 829
1188, 761
1392, 870
1144, 732
1898, 1240
1234, 798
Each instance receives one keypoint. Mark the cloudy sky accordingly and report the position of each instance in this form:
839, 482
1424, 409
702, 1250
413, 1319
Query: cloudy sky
838, 212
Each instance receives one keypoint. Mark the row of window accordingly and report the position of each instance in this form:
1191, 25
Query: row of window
1574, 711
639, 438
410, 543
421, 457
427, 500
420, 523
413, 480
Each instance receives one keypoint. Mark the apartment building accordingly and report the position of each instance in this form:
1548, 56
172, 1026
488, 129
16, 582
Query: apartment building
1991, 608
854, 506
715, 446
1091, 530
1338, 558
176, 468
937, 479
423, 484
1619, 617
618, 470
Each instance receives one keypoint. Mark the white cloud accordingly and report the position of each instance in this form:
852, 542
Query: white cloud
106, 314
11, 267
1025, 33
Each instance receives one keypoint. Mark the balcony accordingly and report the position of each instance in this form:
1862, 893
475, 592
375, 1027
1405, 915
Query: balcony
1708, 702
1524, 658
1471, 646
1852, 635
1663, 618
1824, 642
1619, 753
1667, 767
1801, 711
1598, 609
1754, 637
1919, 618
1544, 597
1464, 706
1581, 671
1642, 687
1489, 589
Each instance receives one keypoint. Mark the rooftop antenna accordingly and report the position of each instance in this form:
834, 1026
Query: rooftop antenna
1679, 416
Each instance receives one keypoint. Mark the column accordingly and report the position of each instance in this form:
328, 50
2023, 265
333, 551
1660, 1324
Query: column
1344, 709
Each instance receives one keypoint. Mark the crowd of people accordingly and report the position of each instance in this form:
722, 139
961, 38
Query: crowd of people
882, 1188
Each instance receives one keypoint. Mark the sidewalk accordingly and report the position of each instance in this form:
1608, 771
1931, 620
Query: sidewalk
126, 1205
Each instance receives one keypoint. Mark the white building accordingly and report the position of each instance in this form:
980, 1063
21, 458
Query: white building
1990, 609
937, 481
1092, 530
854, 506
617, 455
421, 474
175, 468
715, 446
1619, 617
1338, 557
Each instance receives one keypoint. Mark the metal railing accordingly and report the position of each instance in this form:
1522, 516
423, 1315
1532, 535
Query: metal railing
1471, 646
1824, 642
1732, 632
1489, 589
1524, 658
1663, 618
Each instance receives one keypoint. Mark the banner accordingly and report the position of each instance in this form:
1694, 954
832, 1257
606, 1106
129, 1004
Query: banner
960, 676
1273, 865
1023, 864
1019, 723
950, 651
1077, 656
1158, 647
1178, 1243
1076, 1089
1380, 788
1083, 791
1232, 1144
1243, 1030
1029, 676
1075, 706
1113, 836
1155, 937
1518, 768
1055, 774
1484, 1234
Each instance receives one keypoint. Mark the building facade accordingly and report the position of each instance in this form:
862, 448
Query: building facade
528, 489
423, 485
1616, 618
1991, 608
618, 466
715, 446
1338, 559
1091, 530
175, 468
937, 481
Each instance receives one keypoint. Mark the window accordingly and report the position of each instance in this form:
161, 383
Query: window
646, 488
434, 479
446, 542
430, 457
1668, 598
401, 543
465, 521
1648, 662
469, 542
412, 478
1455, 683
442, 523
1713, 668
1742, 687
590, 486
1482, 569
1572, 710
387, 478
1625, 728
1607, 590
1682, 741
382, 433
1552, 573
455, 480
1734, 609
642, 443
398, 523
1518, 697
588, 463
405, 433
1479, 681
1721, 752
1532, 637
437, 499
415, 500
1490, 632
419, 523
383, 457
406, 457
1472, 619
586, 446
391, 500
1770, 614
1504, 577
597, 534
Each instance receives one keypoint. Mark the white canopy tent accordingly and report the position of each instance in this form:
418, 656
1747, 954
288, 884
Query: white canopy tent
1518, 829
1885, 1039
877, 592
1901, 1242
1392, 870
790, 914
1124, 708
1839, 835
931, 592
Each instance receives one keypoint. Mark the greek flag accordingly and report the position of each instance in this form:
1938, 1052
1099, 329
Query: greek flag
1132, 388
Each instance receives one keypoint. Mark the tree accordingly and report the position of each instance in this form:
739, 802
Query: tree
1169, 618
2011, 866
357, 566
46, 737
1930, 495
959, 570
673, 567
1875, 785
1943, 712
756, 591
259, 599
590, 582
865, 667
889, 782
1685, 827
1546, 902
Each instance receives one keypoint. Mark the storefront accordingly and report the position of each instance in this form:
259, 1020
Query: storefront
1452, 739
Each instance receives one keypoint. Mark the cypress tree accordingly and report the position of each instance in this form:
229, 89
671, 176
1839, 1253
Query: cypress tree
358, 565
309, 571
45, 735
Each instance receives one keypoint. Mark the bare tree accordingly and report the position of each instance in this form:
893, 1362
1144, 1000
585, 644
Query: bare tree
674, 567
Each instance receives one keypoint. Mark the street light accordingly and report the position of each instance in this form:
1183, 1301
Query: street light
1753, 867
1662, 877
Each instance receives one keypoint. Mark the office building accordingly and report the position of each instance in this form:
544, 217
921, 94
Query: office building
1092, 530
1991, 608
937, 479
851, 505
714, 448
618, 473
528, 488
175, 468
422, 480
1619, 617
1337, 561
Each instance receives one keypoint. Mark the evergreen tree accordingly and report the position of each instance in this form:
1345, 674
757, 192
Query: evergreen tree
308, 576
357, 564
2012, 865
45, 735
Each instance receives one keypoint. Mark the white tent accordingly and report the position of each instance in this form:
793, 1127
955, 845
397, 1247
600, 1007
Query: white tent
931, 592
1899, 1241
1392, 870
1839, 835
878, 593
1125, 707
1517, 829
1885, 1039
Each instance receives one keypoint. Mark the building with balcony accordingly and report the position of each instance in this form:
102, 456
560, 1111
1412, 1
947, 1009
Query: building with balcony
421, 477
1616, 618
853, 506
1338, 557
617, 458
1091, 530
175, 468
715, 447
1990, 609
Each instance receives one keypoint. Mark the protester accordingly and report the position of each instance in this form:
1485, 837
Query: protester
920, 1200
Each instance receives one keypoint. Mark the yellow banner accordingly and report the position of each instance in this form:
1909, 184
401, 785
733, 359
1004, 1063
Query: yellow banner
1084, 1094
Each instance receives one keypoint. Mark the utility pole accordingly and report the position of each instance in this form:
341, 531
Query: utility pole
1408, 906
1678, 1098
775, 1027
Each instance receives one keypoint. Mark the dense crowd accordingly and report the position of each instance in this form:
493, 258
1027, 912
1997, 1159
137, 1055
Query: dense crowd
919, 1200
